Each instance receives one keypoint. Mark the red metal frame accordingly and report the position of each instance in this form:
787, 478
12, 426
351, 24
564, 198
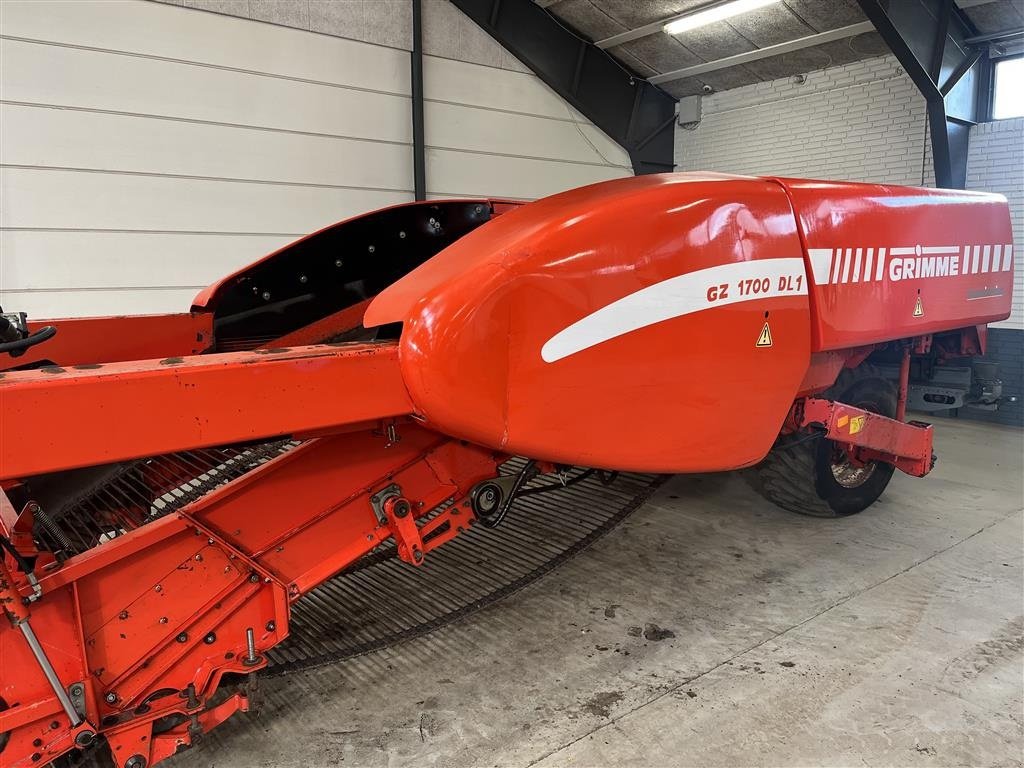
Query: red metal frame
150, 407
871, 436
90, 340
168, 606
904, 386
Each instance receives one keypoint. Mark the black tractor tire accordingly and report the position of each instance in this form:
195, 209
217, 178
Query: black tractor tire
798, 475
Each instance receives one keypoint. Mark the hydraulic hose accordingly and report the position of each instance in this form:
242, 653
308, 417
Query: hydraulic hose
18, 346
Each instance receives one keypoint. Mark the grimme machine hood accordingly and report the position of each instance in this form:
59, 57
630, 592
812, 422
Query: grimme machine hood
173, 485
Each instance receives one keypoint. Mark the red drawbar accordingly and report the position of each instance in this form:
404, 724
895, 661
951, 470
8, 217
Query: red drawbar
873, 437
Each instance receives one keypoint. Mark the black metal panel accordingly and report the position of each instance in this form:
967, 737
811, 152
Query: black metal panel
929, 39
335, 268
637, 115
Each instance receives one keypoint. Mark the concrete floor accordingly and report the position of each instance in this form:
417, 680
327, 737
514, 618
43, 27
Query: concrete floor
710, 629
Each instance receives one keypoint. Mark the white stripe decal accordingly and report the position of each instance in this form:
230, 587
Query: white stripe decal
675, 297
821, 262
838, 266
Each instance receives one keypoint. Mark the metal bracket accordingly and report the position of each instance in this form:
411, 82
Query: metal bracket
404, 529
76, 692
872, 436
378, 499
395, 512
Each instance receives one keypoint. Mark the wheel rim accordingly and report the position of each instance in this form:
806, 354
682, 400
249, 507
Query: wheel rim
848, 474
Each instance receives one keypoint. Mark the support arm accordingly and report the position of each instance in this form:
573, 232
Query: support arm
60, 418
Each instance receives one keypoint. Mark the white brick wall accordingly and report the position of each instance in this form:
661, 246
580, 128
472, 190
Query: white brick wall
864, 121
860, 122
995, 163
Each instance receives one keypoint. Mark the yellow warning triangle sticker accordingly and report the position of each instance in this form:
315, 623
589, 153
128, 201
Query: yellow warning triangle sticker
918, 308
765, 339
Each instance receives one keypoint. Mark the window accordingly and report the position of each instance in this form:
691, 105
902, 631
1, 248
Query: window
1008, 89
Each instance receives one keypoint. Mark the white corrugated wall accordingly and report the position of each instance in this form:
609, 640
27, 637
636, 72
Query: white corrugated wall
149, 149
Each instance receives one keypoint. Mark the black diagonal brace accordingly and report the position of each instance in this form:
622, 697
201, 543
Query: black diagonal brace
635, 114
930, 39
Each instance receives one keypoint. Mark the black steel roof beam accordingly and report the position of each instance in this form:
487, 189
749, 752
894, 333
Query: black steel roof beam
996, 37
635, 114
941, 35
578, 74
929, 38
419, 151
962, 69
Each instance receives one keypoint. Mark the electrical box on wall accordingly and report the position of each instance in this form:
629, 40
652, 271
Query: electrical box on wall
689, 112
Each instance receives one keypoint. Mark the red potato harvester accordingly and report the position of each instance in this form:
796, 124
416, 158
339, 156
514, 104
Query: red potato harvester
336, 393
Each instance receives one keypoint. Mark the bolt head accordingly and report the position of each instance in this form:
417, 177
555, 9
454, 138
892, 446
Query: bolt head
401, 234
303, 279
271, 626
266, 295
372, 249
182, 638
254, 578
339, 262
210, 639
110, 698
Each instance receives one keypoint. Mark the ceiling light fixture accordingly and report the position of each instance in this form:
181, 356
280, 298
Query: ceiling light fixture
715, 13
